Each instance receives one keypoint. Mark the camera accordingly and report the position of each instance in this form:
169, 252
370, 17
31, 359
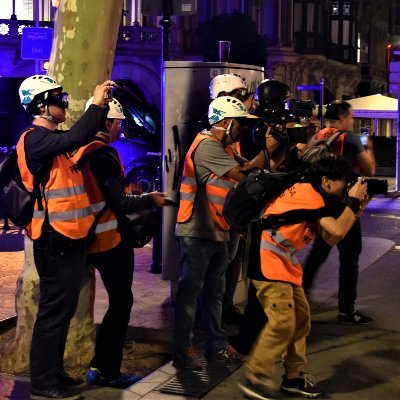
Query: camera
281, 114
305, 108
374, 186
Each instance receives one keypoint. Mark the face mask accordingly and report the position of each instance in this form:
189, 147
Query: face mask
58, 100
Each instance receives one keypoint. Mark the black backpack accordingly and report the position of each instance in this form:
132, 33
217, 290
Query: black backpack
248, 198
15, 200
320, 148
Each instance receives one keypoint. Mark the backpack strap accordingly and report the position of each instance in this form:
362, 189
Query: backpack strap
287, 218
334, 137
37, 178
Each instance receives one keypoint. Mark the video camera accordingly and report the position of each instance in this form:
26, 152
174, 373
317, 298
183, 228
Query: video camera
278, 116
374, 186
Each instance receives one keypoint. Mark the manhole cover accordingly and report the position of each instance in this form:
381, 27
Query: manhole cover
198, 383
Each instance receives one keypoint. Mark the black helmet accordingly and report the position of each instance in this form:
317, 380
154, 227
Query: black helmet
271, 92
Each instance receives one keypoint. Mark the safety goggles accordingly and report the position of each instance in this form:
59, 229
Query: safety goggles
58, 99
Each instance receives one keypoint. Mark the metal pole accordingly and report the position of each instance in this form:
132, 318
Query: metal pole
321, 97
36, 17
166, 24
398, 144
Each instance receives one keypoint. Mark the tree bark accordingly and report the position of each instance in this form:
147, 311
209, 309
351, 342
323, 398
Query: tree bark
82, 56
85, 37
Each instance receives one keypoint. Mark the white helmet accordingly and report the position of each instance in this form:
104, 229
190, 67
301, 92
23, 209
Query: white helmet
115, 111
227, 107
225, 83
35, 85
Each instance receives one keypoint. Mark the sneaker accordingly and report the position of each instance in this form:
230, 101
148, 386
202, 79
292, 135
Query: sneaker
55, 393
257, 388
186, 358
122, 381
232, 316
355, 318
304, 386
227, 353
68, 381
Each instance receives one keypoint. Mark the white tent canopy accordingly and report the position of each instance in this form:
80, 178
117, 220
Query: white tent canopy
374, 106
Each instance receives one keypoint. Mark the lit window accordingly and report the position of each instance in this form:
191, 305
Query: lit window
335, 8
346, 8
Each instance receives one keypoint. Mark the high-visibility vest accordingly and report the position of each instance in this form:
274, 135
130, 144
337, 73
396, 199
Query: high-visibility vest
64, 197
216, 187
278, 247
338, 144
107, 235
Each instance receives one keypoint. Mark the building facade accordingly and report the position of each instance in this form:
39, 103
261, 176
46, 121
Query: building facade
344, 41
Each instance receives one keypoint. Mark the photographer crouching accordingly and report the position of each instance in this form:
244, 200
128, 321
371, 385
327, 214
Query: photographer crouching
290, 222
283, 136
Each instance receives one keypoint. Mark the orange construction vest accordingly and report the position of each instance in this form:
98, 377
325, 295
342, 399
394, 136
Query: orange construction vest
216, 187
338, 145
64, 197
106, 230
277, 249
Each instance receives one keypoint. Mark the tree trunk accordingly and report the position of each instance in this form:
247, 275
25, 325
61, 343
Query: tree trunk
82, 56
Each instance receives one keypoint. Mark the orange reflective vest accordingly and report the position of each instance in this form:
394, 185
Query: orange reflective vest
107, 235
216, 187
64, 197
338, 145
278, 247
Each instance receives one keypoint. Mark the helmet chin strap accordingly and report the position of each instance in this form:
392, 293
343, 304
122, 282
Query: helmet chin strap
48, 117
228, 129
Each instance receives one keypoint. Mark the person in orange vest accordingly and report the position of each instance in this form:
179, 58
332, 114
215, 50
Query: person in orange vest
111, 253
305, 210
211, 168
339, 116
61, 221
231, 85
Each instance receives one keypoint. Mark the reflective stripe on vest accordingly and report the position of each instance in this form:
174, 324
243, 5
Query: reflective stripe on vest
278, 247
106, 231
216, 188
289, 253
64, 198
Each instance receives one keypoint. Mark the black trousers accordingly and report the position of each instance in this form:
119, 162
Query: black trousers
60, 262
349, 251
116, 268
254, 319
235, 255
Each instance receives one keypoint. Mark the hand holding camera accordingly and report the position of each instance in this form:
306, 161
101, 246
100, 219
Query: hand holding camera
103, 93
358, 190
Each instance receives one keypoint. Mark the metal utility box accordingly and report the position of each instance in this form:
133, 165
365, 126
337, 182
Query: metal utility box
185, 101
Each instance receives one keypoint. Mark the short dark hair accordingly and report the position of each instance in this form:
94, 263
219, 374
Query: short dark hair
337, 109
332, 166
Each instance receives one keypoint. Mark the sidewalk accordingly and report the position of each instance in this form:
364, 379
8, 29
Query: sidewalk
352, 362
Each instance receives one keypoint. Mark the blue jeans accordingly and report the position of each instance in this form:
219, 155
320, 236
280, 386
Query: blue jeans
203, 266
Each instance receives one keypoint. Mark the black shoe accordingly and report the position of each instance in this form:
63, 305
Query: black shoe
260, 390
186, 358
121, 381
232, 316
355, 318
226, 354
304, 386
68, 381
56, 393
